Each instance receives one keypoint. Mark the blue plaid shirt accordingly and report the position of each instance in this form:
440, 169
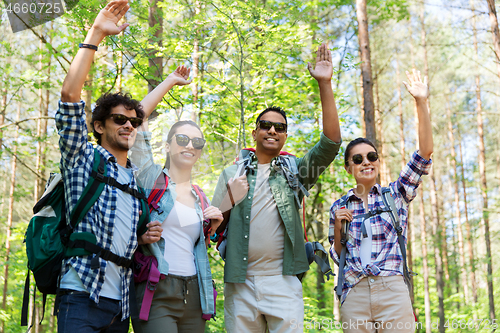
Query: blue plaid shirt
386, 255
77, 158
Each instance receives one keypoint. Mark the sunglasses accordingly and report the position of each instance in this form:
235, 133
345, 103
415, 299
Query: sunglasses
358, 158
120, 119
266, 125
183, 140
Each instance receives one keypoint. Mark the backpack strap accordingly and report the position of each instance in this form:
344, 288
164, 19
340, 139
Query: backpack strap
288, 167
86, 241
390, 203
204, 204
344, 236
159, 189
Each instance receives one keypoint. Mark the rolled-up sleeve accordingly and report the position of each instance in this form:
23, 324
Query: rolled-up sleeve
315, 162
72, 130
411, 176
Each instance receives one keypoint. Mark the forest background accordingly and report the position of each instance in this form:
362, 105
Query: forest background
246, 55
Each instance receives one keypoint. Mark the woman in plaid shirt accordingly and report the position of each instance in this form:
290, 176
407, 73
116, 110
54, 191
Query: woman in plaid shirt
375, 297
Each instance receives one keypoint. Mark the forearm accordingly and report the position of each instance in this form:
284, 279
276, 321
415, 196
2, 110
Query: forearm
425, 141
331, 125
80, 67
226, 204
152, 99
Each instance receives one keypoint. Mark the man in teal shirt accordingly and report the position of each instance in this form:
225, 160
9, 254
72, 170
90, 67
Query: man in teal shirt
265, 241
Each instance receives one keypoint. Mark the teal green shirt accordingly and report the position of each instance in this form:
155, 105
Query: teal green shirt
310, 167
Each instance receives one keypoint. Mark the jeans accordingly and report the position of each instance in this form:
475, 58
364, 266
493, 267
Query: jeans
78, 313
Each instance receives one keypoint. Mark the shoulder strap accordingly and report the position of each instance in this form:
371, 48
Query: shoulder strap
344, 236
390, 203
202, 196
144, 218
91, 192
288, 166
159, 189
89, 196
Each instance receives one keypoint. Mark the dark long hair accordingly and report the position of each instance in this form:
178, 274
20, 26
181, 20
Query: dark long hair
173, 131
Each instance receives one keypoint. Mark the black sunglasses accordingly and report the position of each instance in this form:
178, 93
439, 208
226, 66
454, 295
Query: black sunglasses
120, 119
266, 125
371, 156
183, 140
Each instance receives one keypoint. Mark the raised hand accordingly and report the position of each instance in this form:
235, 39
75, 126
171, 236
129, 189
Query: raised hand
323, 70
107, 19
180, 76
415, 86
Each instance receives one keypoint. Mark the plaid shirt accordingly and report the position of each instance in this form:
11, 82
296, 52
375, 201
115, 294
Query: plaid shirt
77, 158
386, 257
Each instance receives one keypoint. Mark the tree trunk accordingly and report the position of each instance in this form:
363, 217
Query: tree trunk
196, 64
87, 98
10, 215
402, 152
425, 268
320, 234
382, 177
155, 20
482, 154
362, 106
470, 247
3, 105
461, 252
494, 31
436, 228
366, 71
41, 132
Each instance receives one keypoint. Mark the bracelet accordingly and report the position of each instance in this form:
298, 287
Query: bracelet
230, 195
87, 46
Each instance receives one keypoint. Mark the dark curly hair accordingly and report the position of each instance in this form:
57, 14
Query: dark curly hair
108, 101
353, 143
274, 109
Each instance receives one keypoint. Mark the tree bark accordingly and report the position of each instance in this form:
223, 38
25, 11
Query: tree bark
10, 216
425, 267
482, 153
470, 247
461, 252
155, 20
494, 31
196, 64
87, 98
366, 71
436, 228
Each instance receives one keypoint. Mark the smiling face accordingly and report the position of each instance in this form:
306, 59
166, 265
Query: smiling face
269, 141
117, 138
365, 173
184, 157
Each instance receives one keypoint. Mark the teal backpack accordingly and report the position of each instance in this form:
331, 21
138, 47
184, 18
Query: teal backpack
49, 238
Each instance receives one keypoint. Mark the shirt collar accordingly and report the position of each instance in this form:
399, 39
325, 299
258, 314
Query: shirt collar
377, 189
110, 158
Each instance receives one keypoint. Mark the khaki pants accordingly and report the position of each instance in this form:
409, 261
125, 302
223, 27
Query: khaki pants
264, 302
378, 304
176, 306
